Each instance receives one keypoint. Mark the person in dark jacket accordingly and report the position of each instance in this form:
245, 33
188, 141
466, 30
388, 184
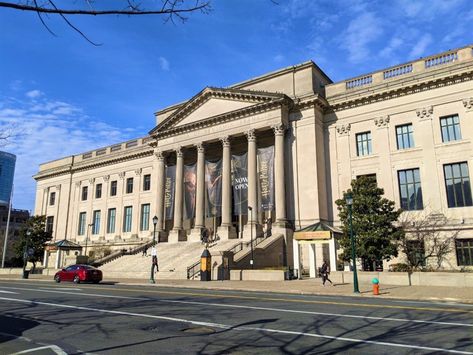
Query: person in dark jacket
324, 272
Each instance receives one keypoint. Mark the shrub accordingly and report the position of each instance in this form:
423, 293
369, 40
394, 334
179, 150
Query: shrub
400, 267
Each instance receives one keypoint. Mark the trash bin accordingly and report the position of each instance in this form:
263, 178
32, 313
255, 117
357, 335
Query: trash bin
26, 273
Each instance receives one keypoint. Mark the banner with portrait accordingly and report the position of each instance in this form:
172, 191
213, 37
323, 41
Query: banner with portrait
169, 188
240, 184
190, 185
213, 185
266, 177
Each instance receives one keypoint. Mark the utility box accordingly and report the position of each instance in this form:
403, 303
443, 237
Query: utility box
206, 266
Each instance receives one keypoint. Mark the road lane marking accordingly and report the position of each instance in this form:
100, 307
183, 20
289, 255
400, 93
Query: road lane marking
281, 299
73, 293
60, 288
3, 291
239, 328
319, 313
56, 349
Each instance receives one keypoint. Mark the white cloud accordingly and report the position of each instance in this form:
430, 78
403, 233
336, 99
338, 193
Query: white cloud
164, 63
420, 46
360, 33
278, 58
49, 129
33, 94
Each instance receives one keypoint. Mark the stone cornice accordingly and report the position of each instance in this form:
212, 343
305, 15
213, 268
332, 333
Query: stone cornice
402, 87
198, 100
92, 164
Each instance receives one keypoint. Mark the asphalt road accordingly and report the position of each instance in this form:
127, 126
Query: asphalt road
47, 318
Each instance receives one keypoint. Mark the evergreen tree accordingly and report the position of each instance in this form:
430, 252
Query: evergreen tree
36, 240
373, 218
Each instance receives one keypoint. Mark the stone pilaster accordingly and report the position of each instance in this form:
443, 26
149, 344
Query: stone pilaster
159, 190
279, 176
251, 226
177, 230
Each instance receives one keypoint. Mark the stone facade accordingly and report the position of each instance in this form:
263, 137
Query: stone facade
314, 126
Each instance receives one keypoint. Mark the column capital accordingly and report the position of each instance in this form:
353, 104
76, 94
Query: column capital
58, 187
225, 141
91, 181
251, 135
121, 175
279, 129
138, 171
468, 103
200, 147
179, 152
159, 155
382, 121
77, 184
425, 112
106, 178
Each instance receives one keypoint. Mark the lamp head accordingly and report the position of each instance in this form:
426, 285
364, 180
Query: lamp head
155, 220
250, 208
349, 198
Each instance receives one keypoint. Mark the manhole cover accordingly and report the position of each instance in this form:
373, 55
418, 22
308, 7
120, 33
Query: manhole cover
199, 330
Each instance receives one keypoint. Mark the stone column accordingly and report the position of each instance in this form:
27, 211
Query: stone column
312, 261
279, 177
177, 230
160, 180
333, 254
45, 258
200, 195
226, 230
252, 185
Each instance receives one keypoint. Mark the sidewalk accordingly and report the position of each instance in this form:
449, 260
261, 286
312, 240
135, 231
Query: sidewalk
301, 287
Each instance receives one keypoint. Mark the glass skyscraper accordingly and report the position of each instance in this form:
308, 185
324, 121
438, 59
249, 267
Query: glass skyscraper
7, 171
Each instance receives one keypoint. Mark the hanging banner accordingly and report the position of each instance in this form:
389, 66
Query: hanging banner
240, 184
266, 177
169, 188
190, 181
213, 183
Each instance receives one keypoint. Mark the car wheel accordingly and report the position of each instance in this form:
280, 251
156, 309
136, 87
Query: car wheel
76, 279
57, 279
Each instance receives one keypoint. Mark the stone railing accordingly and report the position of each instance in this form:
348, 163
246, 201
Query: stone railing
114, 148
404, 70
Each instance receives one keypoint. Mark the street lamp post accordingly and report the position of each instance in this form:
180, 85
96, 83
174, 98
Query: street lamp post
25, 253
154, 257
349, 201
251, 236
87, 237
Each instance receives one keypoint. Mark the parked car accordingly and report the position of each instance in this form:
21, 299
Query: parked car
79, 273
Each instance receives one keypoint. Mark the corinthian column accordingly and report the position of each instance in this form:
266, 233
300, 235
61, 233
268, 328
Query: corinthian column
178, 201
160, 190
250, 229
200, 195
279, 177
226, 229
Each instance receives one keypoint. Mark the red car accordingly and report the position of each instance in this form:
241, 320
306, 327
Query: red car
79, 273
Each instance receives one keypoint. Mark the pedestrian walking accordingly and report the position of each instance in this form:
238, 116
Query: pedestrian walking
145, 252
324, 272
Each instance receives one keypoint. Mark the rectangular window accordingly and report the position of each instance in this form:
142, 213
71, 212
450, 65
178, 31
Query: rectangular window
450, 127
404, 136
85, 190
464, 248
98, 191
457, 182
96, 224
111, 220
147, 182
49, 224
144, 221
82, 223
416, 252
363, 144
410, 189
129, 185
128, 213
52, 198
113, 188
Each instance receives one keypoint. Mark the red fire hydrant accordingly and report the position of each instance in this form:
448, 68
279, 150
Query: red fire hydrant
375, 282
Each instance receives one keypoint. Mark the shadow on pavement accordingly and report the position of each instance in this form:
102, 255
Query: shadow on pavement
13, 327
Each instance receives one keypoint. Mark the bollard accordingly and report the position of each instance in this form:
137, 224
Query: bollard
205, 266
375, 282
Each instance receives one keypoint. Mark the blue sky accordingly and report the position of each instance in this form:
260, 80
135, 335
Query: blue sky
66, 96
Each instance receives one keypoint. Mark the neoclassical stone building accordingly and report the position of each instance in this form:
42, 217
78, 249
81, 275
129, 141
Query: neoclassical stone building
287, 144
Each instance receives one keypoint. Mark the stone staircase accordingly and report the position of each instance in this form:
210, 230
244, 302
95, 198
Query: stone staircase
173, 260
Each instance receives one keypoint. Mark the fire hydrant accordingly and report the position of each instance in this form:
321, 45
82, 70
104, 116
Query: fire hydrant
375, 282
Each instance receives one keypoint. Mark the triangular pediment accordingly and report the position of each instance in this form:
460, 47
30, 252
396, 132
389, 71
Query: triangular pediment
213, 102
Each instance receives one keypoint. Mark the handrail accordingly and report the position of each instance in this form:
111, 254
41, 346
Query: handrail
191, 272
119, 253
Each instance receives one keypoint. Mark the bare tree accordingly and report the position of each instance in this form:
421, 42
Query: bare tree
428, 239
170, 9
7, 132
